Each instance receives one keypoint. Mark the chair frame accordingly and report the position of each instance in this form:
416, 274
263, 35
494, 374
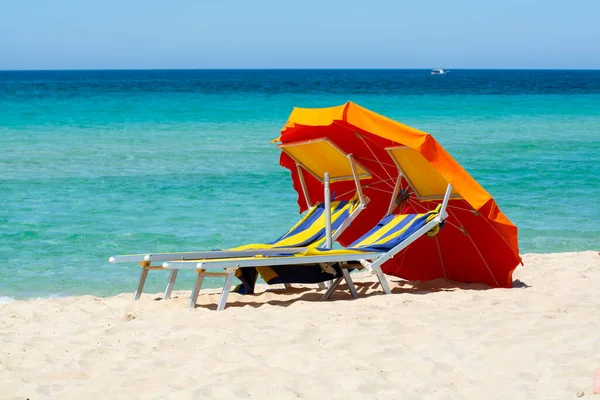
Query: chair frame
371, 260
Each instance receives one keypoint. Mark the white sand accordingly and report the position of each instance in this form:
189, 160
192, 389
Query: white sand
428, 340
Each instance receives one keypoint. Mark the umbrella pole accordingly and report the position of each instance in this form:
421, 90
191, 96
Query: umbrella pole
327, 198
361, 205
328, 241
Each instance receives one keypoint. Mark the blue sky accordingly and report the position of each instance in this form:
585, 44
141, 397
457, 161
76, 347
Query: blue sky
92, 34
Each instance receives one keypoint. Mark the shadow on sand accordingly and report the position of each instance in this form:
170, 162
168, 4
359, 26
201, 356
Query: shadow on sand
364, 289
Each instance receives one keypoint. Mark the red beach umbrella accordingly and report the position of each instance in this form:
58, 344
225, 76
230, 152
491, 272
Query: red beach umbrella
478, 243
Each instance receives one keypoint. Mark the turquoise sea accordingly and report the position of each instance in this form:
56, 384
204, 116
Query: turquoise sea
99, 163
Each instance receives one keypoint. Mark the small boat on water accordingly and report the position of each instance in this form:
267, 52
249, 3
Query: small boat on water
439, 71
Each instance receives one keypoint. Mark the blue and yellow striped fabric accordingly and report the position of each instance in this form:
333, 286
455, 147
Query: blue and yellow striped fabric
391, 231
310, 230
388, 233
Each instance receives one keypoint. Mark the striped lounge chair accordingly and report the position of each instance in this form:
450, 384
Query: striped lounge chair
309, 231
389, 237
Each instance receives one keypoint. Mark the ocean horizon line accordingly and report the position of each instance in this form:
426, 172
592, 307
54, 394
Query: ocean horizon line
292, 69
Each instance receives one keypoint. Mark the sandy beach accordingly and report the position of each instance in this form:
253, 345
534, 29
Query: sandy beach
435, 339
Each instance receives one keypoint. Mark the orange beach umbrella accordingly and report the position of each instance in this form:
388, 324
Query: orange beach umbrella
477, 244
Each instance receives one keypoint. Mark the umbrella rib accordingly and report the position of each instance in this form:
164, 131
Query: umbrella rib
460, 208
370, 140
494, 228
378, 144
485, 219
478, 252
363, 159
441, 258
382, 180
454, 207
373, 153
386, 181
408, 187
378, 189
345, 193
371, 150
402, 254
414, 203
446, 222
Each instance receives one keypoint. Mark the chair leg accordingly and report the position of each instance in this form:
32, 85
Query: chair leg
141, 282
169, 289
226, 289
334, 284
349, 282
322, 286
382, 279
196, 290
287, 285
